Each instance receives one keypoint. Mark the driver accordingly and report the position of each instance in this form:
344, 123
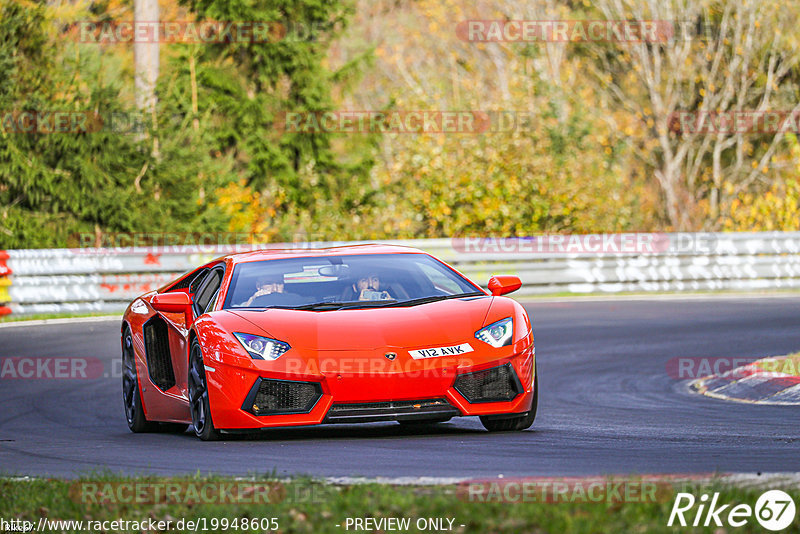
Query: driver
268, 284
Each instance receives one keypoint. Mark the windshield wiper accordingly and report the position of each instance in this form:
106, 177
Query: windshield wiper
313, 306
426, 300
325, 305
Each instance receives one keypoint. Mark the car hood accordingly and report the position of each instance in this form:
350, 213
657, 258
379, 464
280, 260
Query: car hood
442, 323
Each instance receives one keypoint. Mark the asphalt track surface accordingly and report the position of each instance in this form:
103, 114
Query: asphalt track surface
607, 406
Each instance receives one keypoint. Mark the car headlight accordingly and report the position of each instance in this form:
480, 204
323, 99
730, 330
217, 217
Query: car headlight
262, 348
499, 334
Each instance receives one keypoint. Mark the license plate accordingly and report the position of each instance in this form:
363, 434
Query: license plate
438, 352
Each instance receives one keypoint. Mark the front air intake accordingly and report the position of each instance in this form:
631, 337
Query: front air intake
498, 384
273, 397
405, 410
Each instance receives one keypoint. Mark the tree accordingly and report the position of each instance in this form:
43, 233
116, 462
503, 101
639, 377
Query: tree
725, 56
56, 184
253, 82
561, 168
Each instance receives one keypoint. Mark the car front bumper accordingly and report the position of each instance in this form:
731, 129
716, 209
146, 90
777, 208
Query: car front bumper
316, 387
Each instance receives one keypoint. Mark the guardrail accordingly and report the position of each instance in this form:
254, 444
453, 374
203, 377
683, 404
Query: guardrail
105, 280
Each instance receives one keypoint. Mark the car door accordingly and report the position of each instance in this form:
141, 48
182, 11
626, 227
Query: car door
167, 345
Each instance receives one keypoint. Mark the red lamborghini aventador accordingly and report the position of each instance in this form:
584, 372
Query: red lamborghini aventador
339, 335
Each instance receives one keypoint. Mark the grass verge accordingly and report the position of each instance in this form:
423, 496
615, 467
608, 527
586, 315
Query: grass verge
308, 506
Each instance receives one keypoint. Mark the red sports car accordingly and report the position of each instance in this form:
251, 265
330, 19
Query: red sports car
286, 337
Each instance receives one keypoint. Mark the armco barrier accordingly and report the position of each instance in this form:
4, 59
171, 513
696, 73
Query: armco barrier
105, 280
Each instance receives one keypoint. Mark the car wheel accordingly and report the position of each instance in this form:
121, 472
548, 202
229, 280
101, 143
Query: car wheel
198, 396
521, 422
132, 400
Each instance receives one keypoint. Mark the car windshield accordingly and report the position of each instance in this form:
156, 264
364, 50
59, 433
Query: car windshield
334, 282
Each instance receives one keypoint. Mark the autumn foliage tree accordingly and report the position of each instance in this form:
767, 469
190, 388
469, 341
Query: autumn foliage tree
723, 57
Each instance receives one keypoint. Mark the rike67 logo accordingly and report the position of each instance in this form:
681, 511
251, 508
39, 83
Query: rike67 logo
774, 511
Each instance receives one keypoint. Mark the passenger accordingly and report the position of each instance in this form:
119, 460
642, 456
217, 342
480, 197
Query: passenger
368, 287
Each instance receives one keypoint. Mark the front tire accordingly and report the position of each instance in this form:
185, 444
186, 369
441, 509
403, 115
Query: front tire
132, 400
198, 396
521, 422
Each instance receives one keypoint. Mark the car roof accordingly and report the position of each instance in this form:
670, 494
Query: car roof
345, 250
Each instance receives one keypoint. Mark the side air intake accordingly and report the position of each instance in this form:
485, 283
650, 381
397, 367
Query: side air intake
156, 344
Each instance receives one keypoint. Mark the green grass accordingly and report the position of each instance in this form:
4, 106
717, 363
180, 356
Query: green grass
308, 506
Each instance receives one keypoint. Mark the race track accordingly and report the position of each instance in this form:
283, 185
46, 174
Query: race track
607, 405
